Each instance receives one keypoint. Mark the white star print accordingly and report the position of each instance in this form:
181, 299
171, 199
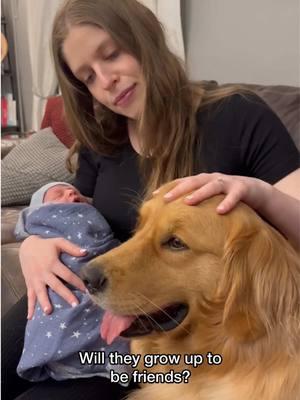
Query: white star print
47, 232
87, 309
63, 325
80, 215
76, 334
69, 237
49, 335
59, 351
54, 216
79, 235
57, 305
89, 222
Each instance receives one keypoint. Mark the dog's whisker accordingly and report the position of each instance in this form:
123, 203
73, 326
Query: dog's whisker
149, 317
137, 316
160, 309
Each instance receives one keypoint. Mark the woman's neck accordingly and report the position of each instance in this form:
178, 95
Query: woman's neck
133, 136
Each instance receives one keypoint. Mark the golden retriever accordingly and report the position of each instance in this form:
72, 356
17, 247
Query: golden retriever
191, 281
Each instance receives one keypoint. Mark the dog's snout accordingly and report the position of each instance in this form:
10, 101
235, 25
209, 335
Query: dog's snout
94, 279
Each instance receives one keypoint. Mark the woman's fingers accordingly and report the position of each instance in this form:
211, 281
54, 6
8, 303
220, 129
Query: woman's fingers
229, 202
208, 190
188, 185
31, 301
68, 276
58, 287
68, 247
43, 298
40, 263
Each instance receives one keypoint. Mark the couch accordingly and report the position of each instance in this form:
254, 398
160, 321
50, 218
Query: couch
284, 100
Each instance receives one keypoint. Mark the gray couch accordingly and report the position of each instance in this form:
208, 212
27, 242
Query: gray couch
284, 100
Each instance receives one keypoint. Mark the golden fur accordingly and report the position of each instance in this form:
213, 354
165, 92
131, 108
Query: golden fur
241, 280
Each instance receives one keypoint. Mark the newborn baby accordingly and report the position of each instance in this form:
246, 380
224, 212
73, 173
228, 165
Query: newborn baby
52, 342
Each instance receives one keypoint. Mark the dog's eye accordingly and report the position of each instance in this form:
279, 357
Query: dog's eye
174, 243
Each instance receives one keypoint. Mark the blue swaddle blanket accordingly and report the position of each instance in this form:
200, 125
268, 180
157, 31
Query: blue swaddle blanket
52, 342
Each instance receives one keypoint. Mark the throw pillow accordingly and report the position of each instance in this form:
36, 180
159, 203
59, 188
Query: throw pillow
54, 118
38, 160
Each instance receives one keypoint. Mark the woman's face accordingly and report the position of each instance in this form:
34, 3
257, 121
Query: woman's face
112, 76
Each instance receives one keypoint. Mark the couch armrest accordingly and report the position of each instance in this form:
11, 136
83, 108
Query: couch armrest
9, 217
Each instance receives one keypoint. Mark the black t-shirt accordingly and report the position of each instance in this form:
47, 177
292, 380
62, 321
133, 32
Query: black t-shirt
238, 136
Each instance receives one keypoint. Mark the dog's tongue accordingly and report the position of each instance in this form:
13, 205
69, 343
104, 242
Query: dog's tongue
112, 326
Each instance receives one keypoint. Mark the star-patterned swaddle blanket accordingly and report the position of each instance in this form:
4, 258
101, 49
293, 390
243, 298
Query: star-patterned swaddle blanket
52, 342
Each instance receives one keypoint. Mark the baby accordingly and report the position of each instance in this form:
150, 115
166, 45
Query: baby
53, 342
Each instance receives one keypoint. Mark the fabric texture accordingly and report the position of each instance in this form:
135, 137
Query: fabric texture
15, 388
240, 136
38, 160
54, 118
52, 342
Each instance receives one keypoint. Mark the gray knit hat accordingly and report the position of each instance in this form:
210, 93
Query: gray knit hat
37, 198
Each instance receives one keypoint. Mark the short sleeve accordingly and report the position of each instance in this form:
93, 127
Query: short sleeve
243, 136
87, 172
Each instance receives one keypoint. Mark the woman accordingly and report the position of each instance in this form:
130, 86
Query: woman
139, 122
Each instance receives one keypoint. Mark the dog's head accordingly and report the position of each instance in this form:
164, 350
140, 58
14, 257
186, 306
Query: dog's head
188, 261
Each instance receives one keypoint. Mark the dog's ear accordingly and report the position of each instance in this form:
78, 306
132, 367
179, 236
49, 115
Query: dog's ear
260, 285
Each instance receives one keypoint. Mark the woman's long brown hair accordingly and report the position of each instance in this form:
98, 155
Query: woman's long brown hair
167, 125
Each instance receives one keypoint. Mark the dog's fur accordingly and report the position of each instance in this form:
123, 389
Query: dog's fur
241, 280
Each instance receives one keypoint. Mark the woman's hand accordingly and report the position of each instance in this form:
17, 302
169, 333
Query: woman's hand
251, 191
259, 195
41, 267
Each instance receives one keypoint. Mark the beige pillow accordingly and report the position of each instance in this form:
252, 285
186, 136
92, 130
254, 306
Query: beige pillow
36, 161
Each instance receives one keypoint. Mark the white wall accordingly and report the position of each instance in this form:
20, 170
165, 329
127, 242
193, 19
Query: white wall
250, 41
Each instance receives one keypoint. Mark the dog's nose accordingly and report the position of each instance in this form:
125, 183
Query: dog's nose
94, 279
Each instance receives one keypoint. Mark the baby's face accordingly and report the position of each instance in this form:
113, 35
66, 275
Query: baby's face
64, 194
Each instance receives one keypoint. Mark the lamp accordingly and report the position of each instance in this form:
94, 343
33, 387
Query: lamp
4, 47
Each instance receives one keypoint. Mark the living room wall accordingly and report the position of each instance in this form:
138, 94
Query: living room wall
251, 41
246, 41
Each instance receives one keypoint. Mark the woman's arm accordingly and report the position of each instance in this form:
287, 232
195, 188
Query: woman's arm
41, 267
290, 184
280, 209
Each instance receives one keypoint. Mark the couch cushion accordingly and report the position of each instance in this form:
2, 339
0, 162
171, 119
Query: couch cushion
285, 102
12, 282
38, 160
9, 217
